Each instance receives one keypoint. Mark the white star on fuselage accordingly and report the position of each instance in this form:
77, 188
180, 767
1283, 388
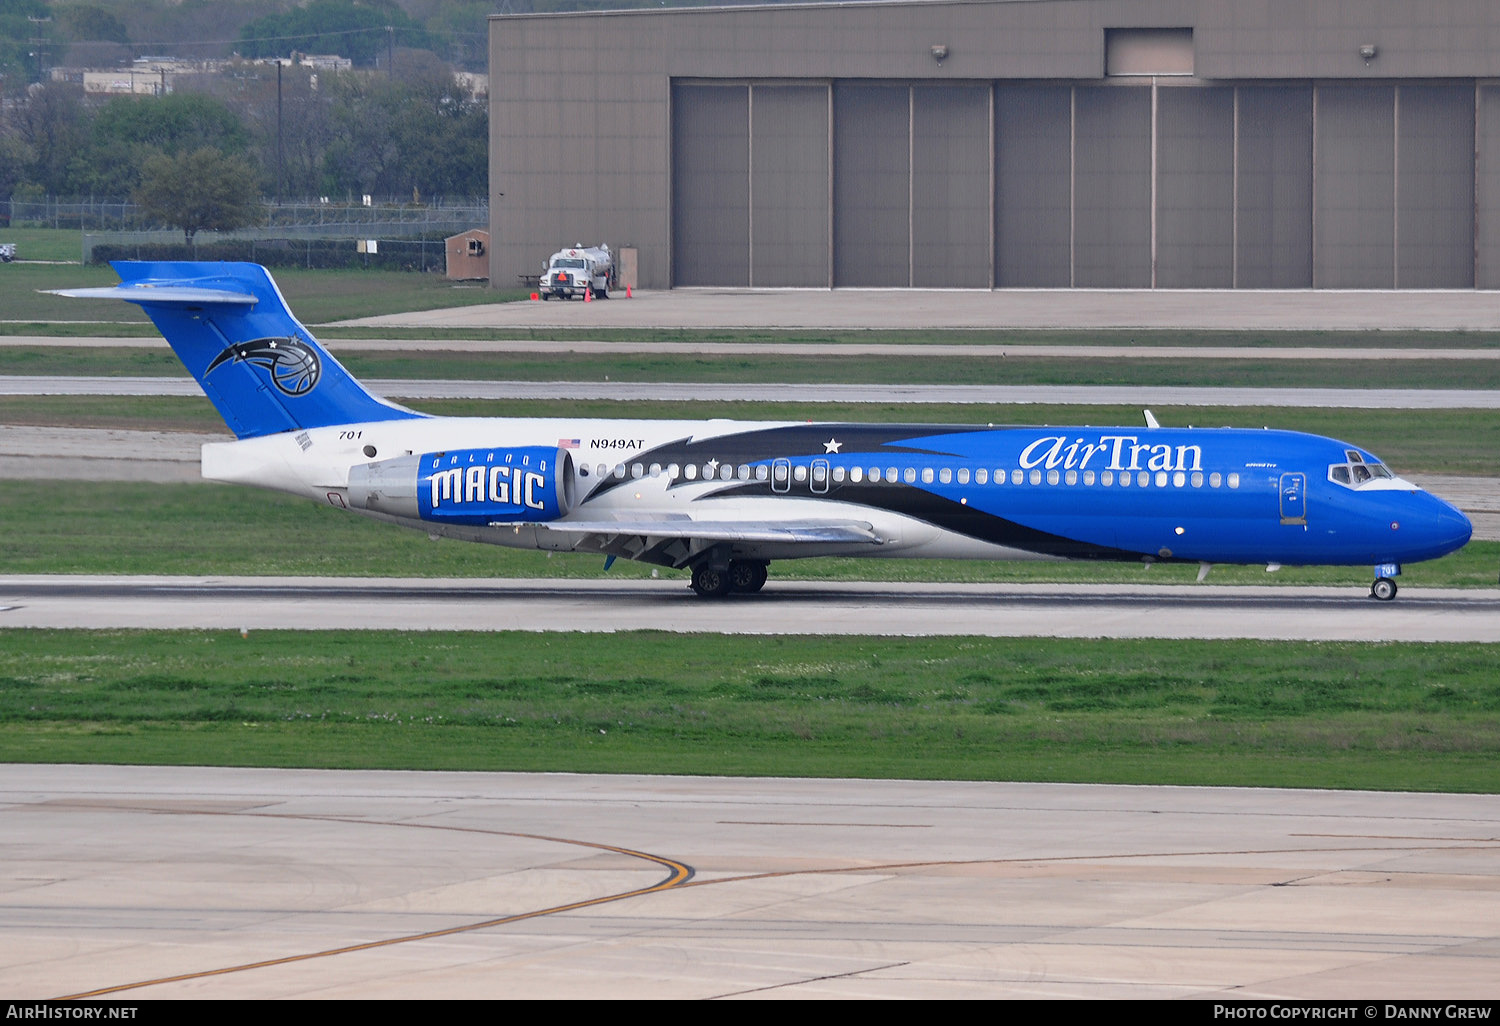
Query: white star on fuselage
832, 445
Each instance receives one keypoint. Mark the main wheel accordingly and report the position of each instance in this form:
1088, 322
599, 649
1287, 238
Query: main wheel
710, 583
1383, 589
746, 576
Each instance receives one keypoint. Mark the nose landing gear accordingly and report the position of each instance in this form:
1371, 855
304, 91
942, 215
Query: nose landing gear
1384, 587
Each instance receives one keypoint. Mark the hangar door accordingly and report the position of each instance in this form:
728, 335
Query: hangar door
1124, 183
816, 185
750, 197
911, 185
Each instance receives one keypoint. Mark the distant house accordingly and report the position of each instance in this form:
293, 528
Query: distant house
145, 76
157, 76
468, 255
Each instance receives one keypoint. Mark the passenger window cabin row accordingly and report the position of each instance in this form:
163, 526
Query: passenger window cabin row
821, 474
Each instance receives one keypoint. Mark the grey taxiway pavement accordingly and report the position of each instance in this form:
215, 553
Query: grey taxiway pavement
137, 883
785, 607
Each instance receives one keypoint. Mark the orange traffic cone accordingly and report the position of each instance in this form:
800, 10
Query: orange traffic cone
588, 293
627, 291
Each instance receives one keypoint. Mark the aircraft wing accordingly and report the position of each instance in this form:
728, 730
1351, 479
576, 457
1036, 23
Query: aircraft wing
789, 531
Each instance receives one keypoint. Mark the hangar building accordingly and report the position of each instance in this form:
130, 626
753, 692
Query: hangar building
1006, 143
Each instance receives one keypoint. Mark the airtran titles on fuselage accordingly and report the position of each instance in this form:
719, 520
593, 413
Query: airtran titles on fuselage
1109, 452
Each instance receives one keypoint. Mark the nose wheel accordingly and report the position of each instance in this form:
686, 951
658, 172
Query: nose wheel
1383, 589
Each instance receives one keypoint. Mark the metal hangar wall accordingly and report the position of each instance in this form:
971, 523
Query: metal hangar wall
1006, 143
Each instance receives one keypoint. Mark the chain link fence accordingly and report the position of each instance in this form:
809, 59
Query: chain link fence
274, 248
305, 218
302, 233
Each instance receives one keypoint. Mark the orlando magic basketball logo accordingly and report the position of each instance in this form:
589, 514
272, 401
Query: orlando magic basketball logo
293, 364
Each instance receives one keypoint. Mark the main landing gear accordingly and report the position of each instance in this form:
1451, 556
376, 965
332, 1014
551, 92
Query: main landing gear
740, 577
1384, 587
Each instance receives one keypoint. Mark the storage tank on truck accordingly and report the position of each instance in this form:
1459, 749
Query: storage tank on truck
576, 272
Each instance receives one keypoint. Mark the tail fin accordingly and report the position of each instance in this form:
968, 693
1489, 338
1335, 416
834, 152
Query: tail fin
231, 328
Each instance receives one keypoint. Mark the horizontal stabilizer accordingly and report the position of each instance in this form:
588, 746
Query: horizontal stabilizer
148, 293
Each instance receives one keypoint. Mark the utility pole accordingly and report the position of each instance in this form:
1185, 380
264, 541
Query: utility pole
38, 41
390, 49
278, 131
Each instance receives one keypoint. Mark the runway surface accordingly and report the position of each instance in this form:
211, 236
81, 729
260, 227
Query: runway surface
785, 607
812, 393
240, 883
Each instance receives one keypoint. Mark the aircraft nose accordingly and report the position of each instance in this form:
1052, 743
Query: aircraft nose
1453, 528
1431, 528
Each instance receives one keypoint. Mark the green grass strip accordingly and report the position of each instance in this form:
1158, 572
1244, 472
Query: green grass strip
1395, 717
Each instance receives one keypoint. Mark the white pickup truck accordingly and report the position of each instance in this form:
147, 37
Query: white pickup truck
579, 273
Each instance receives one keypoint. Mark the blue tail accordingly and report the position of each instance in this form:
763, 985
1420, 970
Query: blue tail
231, 328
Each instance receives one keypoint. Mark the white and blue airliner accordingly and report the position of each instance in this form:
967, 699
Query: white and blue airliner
724, 498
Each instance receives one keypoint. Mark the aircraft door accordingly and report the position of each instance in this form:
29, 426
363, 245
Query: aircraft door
819, 480
781, 475
1294, 499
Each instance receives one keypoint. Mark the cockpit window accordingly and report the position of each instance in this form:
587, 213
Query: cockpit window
568, 262
1357, 471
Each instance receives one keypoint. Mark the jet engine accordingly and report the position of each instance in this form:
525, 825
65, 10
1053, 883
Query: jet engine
468, 486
